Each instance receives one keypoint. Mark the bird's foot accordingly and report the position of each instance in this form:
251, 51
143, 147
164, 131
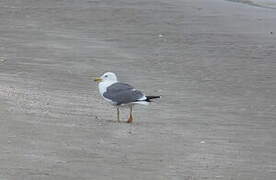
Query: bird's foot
130, 119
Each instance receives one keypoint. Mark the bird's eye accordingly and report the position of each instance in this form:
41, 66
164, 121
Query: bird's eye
106, 76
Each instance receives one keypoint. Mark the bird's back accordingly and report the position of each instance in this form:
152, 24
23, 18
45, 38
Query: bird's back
122, 93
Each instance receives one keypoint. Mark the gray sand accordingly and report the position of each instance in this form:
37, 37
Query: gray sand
212, 61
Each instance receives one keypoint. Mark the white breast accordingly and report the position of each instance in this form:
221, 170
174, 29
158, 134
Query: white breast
102, 88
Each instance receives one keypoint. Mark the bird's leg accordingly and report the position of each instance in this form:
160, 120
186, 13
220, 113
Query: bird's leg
118, 114
130, 119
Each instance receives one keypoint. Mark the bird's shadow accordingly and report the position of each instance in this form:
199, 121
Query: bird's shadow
110, 121
119, 122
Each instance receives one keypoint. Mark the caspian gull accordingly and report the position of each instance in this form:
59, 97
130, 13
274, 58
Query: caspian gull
121, 94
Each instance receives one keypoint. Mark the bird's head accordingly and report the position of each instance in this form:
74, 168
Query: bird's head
108, 76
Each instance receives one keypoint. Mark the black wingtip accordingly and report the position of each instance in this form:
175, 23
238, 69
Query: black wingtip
151, 97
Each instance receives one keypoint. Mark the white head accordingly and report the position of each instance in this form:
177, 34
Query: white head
107, 77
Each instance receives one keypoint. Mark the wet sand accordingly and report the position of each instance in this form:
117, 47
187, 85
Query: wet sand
213, 62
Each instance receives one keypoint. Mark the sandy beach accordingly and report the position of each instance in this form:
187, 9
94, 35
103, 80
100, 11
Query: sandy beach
212, 61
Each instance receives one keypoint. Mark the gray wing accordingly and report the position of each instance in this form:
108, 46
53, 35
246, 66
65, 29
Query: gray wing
122, 93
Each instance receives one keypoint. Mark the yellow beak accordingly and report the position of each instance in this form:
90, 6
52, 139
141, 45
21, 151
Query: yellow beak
98, 79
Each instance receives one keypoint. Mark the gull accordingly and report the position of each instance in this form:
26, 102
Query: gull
121, 94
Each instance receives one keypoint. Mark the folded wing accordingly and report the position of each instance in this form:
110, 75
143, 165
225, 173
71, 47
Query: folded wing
122, 93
